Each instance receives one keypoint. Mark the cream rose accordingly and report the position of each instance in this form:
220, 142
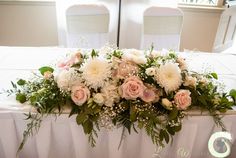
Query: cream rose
182, 99
166, 104
98, 98
190, 81
182, 63
80, 94
132, 88
151, 71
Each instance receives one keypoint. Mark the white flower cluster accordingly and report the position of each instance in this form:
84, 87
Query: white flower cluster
95, 72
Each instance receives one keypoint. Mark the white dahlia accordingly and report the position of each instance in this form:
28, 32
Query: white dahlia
169, 76
96, 72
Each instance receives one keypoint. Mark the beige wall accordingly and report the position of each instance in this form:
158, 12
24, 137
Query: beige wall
199, 28
34, 24
28, 24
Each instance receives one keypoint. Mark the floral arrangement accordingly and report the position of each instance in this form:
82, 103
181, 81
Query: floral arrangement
132, 89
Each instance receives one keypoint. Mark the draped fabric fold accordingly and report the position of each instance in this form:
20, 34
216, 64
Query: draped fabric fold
61, 137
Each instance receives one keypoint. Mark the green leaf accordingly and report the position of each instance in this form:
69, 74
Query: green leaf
161, 135
232, 93
166, 136
222, 110
178, 128
94, 53
45, 69
173, 114
87, 126
94, 118
21, 82
81, 118
133, 115
202, 100
171, 130
214, 75
21, 97
172, 55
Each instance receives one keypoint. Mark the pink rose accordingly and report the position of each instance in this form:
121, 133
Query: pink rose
132, 88
182, 99
126, 69
69, 62
148, 95
80, 94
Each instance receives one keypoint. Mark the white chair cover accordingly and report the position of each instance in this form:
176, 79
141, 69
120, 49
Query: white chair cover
95, 38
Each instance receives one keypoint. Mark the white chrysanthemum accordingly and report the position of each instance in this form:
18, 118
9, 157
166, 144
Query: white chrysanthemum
169, 76
95, 72
68, 78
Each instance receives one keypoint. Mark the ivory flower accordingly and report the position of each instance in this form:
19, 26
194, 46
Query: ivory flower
166, 104
96, 72
169, 77
134, 55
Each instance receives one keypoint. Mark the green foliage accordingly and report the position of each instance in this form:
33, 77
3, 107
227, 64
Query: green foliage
31, 128
214, 75
21, 97
44, 69
232, 93
94, 53
116, 53
21, 82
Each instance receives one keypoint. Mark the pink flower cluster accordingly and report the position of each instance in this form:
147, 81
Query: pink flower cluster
182, 99
80, 94
69, 62
133, 87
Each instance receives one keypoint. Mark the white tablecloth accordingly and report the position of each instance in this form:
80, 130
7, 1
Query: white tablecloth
64, 138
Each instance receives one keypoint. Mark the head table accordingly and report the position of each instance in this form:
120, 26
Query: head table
61, 137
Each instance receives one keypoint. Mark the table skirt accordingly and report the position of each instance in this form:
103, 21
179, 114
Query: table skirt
62, 138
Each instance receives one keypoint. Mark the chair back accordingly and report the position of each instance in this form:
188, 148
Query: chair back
87, 23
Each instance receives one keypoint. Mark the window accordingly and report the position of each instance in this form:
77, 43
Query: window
203, 2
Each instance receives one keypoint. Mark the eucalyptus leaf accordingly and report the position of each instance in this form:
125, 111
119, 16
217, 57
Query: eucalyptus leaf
21, 97
21, 82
